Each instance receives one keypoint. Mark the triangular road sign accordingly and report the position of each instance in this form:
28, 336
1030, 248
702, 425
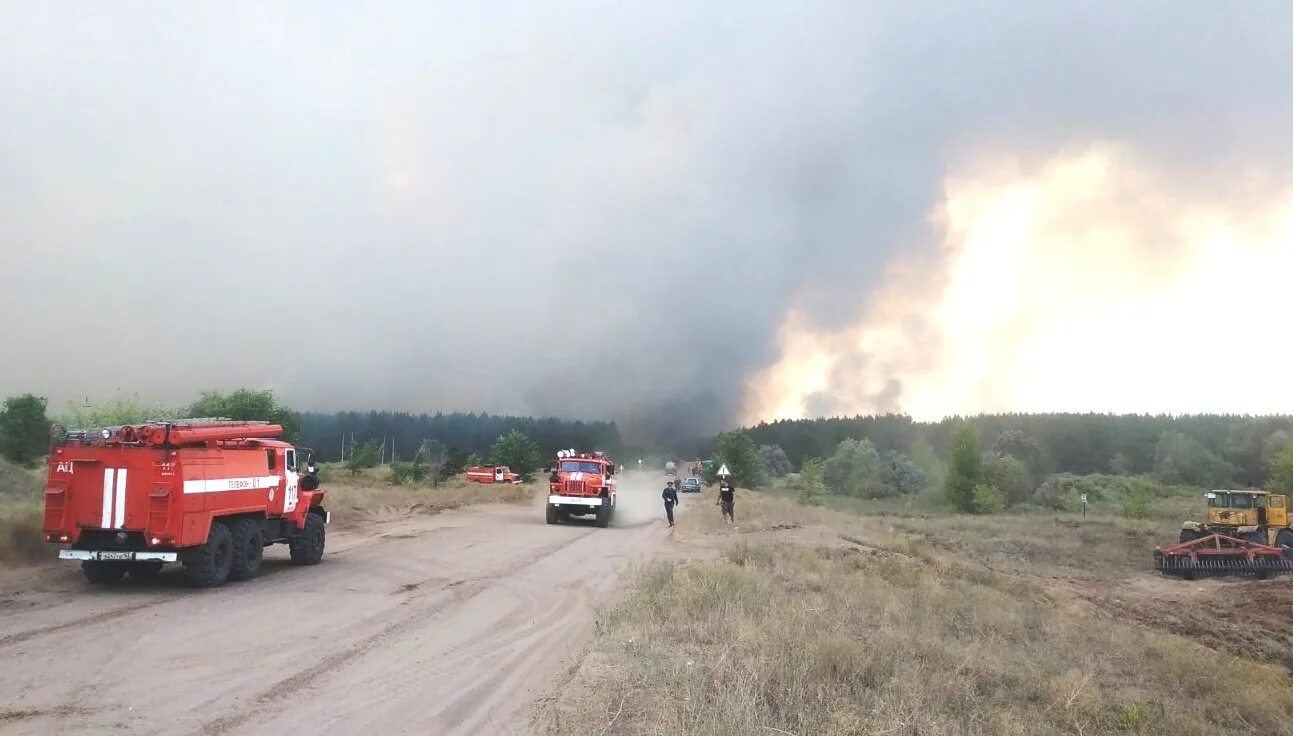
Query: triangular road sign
723, 472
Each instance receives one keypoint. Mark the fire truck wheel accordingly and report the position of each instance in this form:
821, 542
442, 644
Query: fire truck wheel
307, 547
102, 573
208, 565
146, 570
604, 515
248, 550
552, 514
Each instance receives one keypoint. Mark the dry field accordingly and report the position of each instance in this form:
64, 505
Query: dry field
813, 621
20, 515
368, 498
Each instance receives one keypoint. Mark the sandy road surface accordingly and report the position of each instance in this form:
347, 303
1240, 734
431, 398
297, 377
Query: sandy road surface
449, 624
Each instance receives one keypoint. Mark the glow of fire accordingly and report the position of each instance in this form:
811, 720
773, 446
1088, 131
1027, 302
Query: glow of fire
1087, 285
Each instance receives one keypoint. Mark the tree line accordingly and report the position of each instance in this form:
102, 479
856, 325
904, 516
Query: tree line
441, 440
469, 433
1201, 450
985, 464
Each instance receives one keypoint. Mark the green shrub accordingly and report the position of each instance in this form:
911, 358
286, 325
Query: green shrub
1135, 505
988, 499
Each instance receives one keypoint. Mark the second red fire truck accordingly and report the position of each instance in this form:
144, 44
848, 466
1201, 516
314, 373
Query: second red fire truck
582, 484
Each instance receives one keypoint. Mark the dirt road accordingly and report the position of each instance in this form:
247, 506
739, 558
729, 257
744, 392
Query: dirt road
449, 624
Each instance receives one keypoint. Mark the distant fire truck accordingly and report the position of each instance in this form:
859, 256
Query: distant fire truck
582, 484
492, 474
210, 494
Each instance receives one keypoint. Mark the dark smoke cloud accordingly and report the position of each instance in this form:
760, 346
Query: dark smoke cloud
577, 208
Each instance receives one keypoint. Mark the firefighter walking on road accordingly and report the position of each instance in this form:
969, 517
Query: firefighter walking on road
670, 497
727, 499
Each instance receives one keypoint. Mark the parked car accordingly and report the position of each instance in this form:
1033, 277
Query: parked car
690, 485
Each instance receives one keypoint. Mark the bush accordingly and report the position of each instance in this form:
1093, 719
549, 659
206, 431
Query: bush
24, 429
775, 461
367, 455
1010, 476
810, 482
1135, 505
901, 475
1063, 492
965, 469
407, 474
988, 499
855, 470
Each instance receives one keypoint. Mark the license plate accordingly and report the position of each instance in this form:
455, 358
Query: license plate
115, 555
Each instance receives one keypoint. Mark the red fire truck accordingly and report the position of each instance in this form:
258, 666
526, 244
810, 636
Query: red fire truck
491, 474
582, 484
210, 494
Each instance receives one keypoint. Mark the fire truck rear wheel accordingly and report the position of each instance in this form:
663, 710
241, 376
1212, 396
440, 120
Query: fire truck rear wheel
208, 565
102, 573
248, 549
307, 547
145, 570
552, 514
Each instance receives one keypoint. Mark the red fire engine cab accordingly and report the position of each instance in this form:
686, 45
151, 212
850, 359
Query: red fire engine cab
581, 484
209, 494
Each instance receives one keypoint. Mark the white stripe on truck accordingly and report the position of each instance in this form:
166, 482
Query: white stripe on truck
106, 521
121, 499
218, 485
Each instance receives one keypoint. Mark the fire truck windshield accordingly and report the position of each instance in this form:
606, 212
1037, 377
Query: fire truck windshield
574, 466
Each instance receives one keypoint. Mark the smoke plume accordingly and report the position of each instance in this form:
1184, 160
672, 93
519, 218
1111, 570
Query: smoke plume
669, 215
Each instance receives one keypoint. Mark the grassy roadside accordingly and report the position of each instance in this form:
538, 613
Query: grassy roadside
369, 497
813, 621
20, 515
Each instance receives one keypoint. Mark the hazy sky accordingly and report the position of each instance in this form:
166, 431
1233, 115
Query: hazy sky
611, 210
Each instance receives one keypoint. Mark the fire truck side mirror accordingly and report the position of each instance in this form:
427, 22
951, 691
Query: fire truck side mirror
610, 469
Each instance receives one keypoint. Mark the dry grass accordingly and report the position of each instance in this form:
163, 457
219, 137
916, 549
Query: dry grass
365, 499
20, 515
819, 622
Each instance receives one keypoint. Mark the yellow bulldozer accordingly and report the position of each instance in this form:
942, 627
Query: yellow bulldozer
1246, 533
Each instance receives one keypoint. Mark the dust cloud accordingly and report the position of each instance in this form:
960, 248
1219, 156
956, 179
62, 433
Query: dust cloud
638, 499
584, 209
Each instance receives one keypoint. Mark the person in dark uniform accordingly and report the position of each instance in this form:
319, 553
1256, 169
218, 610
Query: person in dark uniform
310, 480
727, 499
670, 497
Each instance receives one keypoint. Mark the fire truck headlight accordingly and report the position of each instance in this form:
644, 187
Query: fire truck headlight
154, 541
122, 538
